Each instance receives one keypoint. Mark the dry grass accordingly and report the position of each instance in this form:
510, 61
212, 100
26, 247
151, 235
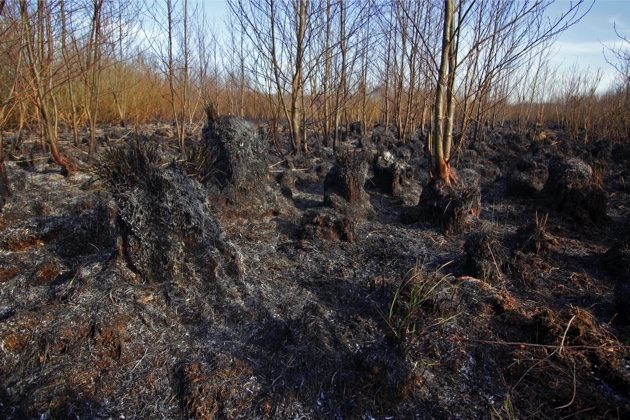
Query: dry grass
423, 300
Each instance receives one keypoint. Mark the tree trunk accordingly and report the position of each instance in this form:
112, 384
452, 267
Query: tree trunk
450, 92
41, 75
441, 168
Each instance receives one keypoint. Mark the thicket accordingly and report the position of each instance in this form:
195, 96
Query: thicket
299, 68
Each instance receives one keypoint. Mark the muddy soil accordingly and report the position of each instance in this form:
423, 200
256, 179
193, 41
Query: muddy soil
521, 314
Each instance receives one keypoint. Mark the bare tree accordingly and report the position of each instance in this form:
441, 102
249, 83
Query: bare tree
621, 57
173, 52
39, 48
93, 72
439, 147
123, 49
9, 77
517, 28
620, 61
282, 31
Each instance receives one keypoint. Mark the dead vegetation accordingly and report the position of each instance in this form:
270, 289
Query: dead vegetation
421, 302
571, 189
230, 157
258, 267
486, 256
166, 232
451, 207
139, 293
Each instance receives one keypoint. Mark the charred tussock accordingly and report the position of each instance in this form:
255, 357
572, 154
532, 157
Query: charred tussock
527, 179
230, 161
529, 246
534, 237
123, 167
422, 301
450, 207
571, 190
346, 203
167, 232
325, 223
486, 256
390, 174
230, 157
345, 182
203, 164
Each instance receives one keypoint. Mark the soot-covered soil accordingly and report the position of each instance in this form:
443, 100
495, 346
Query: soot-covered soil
149, 287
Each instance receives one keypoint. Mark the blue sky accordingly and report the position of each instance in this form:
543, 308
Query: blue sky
582, 45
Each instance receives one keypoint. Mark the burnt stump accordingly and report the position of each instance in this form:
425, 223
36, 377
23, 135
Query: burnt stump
390, 175
527, 179
572, 191
344, 186
449, 206
230, 158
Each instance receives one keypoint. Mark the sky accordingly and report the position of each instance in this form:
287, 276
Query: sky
581, 46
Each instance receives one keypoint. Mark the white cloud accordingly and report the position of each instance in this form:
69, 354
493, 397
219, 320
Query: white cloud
568, 48
587, 57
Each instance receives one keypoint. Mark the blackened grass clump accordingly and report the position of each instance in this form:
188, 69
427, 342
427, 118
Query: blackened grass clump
534, 238
167, 232
345, 201
123, 167
344, 186
485, 256
571, 190
230, 157
391, 174
450, 207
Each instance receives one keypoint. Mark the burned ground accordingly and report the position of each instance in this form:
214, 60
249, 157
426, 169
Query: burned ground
517, 313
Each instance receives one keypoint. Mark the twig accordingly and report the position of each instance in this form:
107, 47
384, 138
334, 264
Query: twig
524, 344
574, 388
577, 412
289, 170
564, 336
496, 266
29, 160
538, 363
140, 361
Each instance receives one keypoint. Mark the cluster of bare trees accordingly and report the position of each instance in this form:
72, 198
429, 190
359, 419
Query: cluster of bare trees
325, 63
55, 53
618, 102
437, 69
569, 99
76, 63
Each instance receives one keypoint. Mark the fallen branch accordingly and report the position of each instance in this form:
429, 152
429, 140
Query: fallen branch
289, 170
545, 346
